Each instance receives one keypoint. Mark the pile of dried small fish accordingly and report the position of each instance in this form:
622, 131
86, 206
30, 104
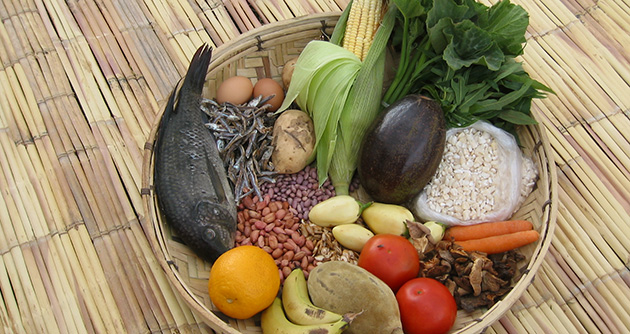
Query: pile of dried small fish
243, 134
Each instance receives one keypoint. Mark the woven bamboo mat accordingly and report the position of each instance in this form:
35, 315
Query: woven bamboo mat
82, 81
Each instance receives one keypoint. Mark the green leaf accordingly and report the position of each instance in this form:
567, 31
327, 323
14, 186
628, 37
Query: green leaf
507, 23
410, 9
448, 9
517, 117
469, 45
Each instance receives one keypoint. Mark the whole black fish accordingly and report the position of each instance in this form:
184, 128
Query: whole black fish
190, 179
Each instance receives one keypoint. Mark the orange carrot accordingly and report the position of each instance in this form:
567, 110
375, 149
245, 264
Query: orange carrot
484, 230
500, 243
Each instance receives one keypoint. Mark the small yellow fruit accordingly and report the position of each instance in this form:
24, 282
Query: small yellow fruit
338, 210
352, 236
387, 218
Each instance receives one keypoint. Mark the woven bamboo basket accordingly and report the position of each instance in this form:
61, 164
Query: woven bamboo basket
262, 53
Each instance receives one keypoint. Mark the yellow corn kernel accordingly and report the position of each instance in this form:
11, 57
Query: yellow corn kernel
352, 26
363, 20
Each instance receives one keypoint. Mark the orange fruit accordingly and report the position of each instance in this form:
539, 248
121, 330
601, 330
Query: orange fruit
243, 281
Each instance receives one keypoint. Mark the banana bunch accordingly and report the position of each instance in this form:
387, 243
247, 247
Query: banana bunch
295, 314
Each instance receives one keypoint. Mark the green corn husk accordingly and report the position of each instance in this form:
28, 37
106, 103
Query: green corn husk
343, 97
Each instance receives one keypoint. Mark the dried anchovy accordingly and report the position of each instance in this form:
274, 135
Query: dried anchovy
244, 136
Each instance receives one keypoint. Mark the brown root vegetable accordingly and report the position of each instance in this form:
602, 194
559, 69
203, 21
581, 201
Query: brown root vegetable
287, 72
293, 141
342, 287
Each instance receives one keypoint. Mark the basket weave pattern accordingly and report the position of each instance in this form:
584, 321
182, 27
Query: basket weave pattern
262, 53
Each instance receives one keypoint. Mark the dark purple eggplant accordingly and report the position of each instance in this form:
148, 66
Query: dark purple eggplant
402, 149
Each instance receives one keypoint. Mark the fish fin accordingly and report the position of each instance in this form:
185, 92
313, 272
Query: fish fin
197, 70
192, 82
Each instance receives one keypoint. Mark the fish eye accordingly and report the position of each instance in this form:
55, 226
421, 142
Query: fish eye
209, 234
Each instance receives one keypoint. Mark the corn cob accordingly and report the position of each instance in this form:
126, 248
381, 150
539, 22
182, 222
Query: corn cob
363, 21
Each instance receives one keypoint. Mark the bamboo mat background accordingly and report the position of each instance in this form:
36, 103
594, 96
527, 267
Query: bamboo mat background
82, 81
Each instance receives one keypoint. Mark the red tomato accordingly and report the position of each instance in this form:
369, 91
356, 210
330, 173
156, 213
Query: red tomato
426, 307
391, 258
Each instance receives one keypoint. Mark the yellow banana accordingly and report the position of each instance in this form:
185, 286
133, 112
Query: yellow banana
273, 321
297, 304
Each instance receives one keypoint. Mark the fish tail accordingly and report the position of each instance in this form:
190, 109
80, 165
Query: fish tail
197, 70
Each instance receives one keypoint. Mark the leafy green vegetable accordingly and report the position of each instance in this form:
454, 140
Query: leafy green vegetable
462, 54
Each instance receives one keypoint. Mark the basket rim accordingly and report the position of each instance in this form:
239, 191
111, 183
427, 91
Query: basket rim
254, 40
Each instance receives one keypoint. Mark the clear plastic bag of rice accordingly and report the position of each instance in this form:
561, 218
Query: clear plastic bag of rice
483, 176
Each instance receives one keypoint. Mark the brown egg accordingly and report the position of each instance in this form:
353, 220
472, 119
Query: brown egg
236, 90
267, 87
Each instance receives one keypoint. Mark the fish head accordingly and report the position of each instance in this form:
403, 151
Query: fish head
216, 228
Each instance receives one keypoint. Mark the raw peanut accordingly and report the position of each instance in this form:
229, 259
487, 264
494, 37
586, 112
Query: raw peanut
285, 205
281, 213
279, 230
281, 274
239, 238
254, 236
291, 245
267, 249
309, 244
299, 256
260, 224
260, 206
288, 255
247, 231
269, 218
254, 214
240, 227
261, 241
304, 263
284, 263
282, 237
295, 227
240, 218
306, 250
269, 227
273, 242
277, 253
255, 199
246, 214
288, 231
246, 241
286, 271
289, 223
265, 211
278, 223
248, 203
267, 199
273, 206
298, 239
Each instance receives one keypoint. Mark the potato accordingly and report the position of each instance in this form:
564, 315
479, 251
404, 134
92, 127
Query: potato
342, 287
287, 72
293, 141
